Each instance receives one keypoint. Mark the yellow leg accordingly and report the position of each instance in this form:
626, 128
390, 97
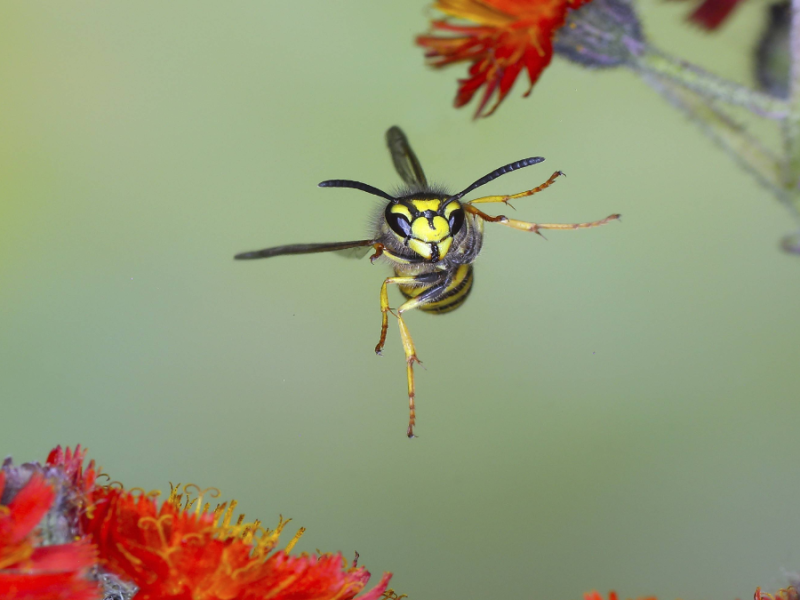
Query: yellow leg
505, 199
405, 335
411, 358
385, 310
536, 227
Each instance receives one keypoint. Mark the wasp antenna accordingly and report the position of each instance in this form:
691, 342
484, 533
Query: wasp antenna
525, 162
346, 183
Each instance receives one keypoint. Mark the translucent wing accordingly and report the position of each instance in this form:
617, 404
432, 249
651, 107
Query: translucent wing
405, 161
356, 249
355, 252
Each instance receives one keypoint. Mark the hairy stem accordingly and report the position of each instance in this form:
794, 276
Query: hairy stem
655, 62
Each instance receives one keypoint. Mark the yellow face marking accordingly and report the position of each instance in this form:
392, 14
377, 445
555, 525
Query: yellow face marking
448, 210
422, 230
399, 209
423, 205
444, 247
421, 248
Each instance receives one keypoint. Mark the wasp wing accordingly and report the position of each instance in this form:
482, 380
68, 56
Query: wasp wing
405, 161
355, 252
357, 249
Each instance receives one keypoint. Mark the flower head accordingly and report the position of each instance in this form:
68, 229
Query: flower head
507, 37
789, 593
29, 572
773, 56
612, 595
181, 550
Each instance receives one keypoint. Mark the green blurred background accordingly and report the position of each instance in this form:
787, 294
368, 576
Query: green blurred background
613, 408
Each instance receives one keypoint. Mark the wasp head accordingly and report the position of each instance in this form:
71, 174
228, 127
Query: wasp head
426, 225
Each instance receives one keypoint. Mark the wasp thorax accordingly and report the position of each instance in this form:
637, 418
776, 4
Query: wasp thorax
426, 226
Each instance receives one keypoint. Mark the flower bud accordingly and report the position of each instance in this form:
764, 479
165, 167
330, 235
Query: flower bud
772, 53
791, 244
601, 34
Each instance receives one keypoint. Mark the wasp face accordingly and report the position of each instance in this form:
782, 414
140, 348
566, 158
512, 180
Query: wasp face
425, 225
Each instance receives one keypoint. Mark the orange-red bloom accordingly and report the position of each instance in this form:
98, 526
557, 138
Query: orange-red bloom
172, 552
595, 595
30, 573
81, 480
789, 593
508, 36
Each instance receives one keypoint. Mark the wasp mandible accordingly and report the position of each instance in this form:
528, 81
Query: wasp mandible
430, 237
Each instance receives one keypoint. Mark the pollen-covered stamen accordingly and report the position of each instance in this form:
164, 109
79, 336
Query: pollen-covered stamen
295, 539
392, 595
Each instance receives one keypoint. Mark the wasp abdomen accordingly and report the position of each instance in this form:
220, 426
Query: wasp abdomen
451, 297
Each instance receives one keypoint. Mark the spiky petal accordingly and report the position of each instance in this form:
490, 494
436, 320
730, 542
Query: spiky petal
507, 37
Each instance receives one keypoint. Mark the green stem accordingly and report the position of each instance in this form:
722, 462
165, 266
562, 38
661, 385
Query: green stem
655, 62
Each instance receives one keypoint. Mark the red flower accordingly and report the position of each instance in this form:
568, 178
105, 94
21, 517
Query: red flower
50, 572
789, 593
711, 13
170, 552
509, 35
595, 595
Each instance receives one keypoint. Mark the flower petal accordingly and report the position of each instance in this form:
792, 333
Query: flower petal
46, 586
711, 13
28, 507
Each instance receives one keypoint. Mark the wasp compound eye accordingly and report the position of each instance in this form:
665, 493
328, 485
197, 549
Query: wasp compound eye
398, 222
456, 221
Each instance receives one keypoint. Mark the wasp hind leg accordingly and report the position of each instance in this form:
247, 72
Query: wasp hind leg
429, 295
537, 227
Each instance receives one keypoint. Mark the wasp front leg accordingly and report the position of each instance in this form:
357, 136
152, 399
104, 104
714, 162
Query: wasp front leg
418, 280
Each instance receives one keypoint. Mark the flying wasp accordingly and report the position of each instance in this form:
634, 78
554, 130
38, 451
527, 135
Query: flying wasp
430, 237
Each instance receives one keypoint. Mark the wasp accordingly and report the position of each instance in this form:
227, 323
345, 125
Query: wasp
430, 237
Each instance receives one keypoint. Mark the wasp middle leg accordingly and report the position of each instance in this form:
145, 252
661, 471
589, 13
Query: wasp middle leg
505, 199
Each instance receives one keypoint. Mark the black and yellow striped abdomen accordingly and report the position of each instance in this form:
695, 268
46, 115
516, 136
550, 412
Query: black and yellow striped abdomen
451, 297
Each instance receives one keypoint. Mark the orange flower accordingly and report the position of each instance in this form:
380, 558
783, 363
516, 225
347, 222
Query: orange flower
49, 572
509, 35
174, 552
